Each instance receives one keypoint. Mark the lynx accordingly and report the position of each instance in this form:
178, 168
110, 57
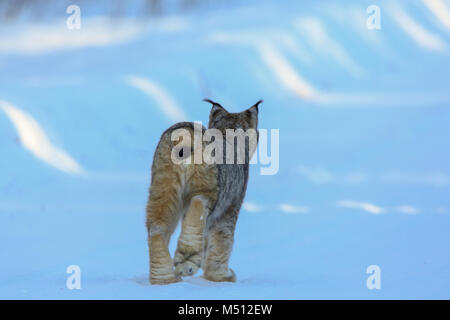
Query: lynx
207, 197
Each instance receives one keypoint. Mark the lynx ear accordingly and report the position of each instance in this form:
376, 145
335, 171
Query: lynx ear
253, 114
216, 107
254, 108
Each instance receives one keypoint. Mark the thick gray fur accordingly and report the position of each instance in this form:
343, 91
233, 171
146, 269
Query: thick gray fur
232, 178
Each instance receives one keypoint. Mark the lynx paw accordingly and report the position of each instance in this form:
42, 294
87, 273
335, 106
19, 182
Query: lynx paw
221, 277
166, 280
186, 268
186, 262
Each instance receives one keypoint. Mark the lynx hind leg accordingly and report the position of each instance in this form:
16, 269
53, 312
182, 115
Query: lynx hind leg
188, 256
161, 267
220, 240
162, 217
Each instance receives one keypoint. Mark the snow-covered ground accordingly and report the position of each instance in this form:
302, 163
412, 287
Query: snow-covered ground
364, 150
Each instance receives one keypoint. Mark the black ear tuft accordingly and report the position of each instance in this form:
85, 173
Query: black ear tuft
215, 104
257, 104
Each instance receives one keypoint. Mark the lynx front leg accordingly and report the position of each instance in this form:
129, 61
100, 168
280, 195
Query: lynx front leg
188, 256
220, 240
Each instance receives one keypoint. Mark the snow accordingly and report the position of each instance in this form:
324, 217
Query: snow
363, 166
167, 104
34, 139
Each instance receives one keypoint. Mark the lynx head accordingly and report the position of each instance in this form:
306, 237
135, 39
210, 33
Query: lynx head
221, 119
243, 127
